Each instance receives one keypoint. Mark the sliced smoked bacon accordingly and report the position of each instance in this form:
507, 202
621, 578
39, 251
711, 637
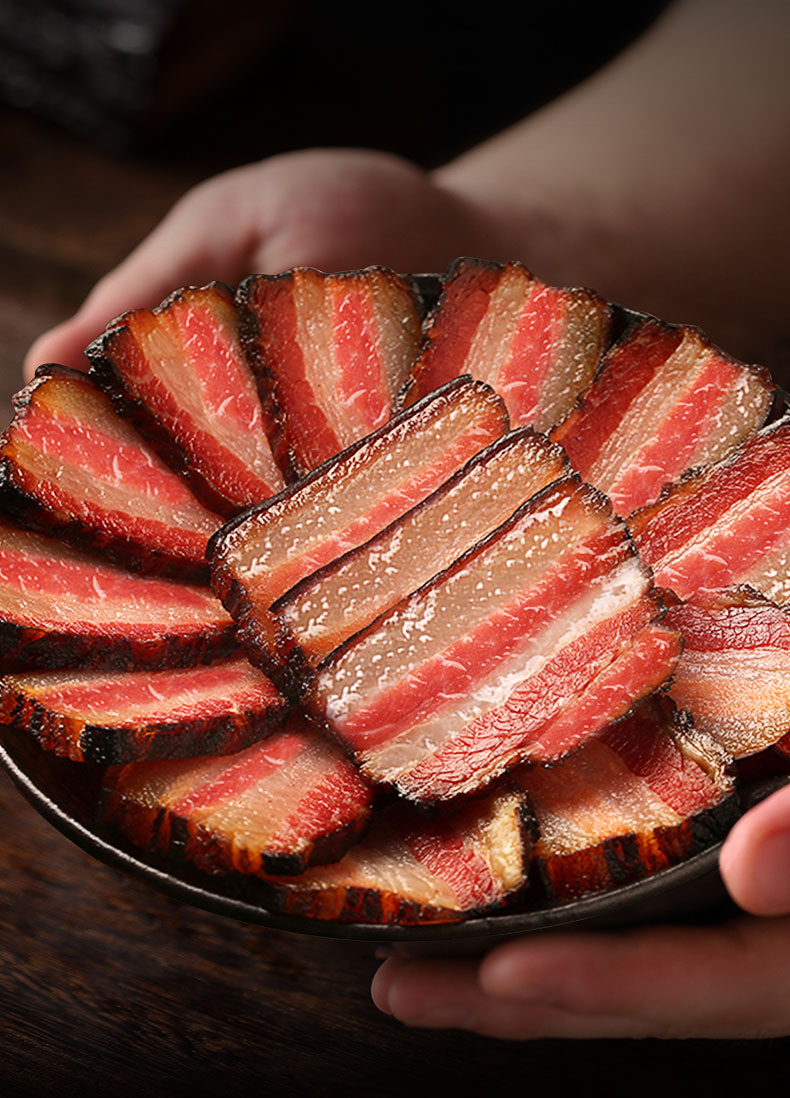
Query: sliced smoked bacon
287, 802
727, 525
60, 607
179, 373
734, 673
645, 794
123, 716
410, 869
69, 466
335, 350
264, 552
665, 401
538, 346
344, 596
533, 640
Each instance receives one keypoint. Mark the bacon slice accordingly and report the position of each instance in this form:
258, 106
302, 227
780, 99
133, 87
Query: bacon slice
411, 870
665, 401
287, 802
179, 373
538, 346
346, 595
69, 466
734, 673
335, 349
533, 640
257, 558
60, 607
727, 525
123, 716
646, 794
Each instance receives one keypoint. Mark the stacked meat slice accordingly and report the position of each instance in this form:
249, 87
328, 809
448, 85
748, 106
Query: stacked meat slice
448, 613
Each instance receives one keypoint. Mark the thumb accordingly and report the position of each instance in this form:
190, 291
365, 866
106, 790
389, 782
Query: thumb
755, 859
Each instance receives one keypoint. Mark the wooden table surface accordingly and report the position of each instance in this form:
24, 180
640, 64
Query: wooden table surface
105, 983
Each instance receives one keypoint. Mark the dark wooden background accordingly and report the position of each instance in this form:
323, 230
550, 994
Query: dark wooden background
109, 987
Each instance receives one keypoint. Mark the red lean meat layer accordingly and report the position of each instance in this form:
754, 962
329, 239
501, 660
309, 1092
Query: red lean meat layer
60, 607
287, 802
727, 525
334, 349
664, 401
69, 466
538, 346
645, 794
346, 595
410, 869
533, 640
124, 716
179, 373
734, 673
338, 507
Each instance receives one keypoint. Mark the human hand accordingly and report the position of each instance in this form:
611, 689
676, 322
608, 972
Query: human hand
332, 209
728, 981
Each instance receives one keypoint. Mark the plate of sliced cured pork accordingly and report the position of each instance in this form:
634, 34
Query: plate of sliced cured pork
398, 607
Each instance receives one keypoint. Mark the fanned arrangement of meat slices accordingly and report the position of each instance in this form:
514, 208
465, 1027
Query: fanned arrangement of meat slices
349, 634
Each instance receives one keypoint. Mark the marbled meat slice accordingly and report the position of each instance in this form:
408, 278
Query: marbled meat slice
410, 869
179, 372
124, 716
647, 793
532, 641
287, 802
328, 607
538, 346
338, 507
70, 466
734, 673
61, 607
665, 401
726, 526
335, 349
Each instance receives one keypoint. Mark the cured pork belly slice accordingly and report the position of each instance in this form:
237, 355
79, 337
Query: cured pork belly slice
727, 525
328, 607
287, 802
60, 607
734, 673
538, 346
645, 794
124, 716
69, 465
178, 371
263, 553
533, 640
665, 401
335, 350
411, 869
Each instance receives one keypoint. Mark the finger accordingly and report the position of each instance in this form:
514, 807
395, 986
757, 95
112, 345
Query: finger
755, 859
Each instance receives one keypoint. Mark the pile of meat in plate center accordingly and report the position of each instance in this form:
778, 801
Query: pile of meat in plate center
408, 616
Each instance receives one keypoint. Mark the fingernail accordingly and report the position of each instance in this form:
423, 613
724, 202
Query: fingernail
771, 875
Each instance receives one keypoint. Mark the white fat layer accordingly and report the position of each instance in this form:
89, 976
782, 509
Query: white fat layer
771, 574
576, 360
492, 344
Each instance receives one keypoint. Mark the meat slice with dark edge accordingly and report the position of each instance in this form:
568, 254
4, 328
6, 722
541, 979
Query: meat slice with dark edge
665, 401
649, 792
61, 607
538, 346
734, 673
533, 640
727, 525
344, 596
178, 371
348, 500
123, 716
287, 802
335, 349
69, 466
410, 869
